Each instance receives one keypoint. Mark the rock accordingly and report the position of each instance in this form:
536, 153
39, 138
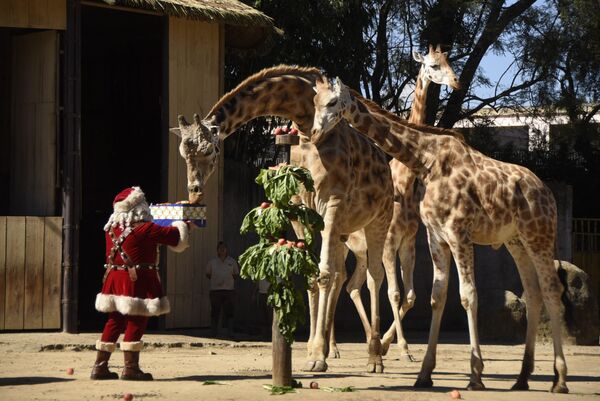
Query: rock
502, 316
581, 317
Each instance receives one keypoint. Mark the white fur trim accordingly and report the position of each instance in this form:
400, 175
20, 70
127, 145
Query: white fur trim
184, 236
133, 199
132, 346
132, 306
102, 346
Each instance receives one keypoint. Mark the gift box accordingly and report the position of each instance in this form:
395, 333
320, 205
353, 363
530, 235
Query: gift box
165, 214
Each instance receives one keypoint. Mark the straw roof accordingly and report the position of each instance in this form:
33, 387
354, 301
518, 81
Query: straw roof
245, 27
232, 12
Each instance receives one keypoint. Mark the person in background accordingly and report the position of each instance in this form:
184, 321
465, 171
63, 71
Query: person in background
221, 272
131, 289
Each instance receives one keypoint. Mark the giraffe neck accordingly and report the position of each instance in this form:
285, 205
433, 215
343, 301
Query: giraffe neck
414, 148
417, 110
285, 96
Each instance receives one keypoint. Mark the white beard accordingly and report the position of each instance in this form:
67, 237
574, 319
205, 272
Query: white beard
140, 213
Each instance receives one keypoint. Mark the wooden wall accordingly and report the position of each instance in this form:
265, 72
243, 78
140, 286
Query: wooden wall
33, 142
30, 272
195, 84
43, 14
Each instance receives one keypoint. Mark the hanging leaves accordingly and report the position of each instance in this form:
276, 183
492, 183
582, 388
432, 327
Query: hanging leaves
276, 259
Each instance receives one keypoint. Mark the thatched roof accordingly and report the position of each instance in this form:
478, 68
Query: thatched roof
246, 27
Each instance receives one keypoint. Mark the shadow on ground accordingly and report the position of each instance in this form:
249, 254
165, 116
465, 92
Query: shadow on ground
19, 381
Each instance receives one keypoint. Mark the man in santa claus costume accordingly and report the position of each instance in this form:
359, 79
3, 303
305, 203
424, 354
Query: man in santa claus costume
131, 290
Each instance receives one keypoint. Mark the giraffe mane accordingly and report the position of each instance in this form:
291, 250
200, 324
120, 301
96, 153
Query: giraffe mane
377, 109
266, 73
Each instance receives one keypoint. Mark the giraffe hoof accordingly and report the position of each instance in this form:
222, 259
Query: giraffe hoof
560, 388
308, 366
320, 366
374, 367
520, 386
407, 358
423, 383
474, 386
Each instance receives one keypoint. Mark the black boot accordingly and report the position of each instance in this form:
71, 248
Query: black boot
100, 370
132, 370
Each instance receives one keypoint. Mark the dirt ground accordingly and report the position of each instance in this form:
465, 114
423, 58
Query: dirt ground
34, 367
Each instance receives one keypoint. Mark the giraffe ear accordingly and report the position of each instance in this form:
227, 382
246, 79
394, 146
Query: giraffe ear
320, 83
337, 85
417, 56
176, 131
445, 54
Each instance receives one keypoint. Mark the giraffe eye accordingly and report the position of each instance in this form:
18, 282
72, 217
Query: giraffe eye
435, 67
332, 103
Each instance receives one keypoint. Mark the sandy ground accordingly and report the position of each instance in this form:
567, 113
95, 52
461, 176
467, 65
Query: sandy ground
33, 367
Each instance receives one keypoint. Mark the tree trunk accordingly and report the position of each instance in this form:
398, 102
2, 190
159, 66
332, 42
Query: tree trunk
282, 356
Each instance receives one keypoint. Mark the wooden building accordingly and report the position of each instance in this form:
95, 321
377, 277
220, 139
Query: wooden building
89, 89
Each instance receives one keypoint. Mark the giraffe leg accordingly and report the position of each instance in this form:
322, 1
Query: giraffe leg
440, 255
334, 295
551, 289
331, 246
358, 278
533, 300
389, 262
375, 241
463, 257
313, 301
407, 266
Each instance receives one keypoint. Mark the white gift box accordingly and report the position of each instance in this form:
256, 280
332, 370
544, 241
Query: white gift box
165, 214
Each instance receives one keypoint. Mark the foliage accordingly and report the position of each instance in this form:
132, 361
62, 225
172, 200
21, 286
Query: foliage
348, 389
276, 259
278, 390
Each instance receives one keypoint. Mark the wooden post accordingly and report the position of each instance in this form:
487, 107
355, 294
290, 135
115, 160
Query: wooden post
282, 351
282, 357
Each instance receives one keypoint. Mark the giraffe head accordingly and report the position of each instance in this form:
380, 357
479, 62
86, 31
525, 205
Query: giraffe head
199, 148
435, 67
331, 102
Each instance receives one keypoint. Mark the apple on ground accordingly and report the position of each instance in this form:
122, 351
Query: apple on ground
70, 371
127, 396
300, 244
281, 241
265, 205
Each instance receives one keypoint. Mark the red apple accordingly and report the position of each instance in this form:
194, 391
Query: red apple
281, 241
455, 394
300, 244
284, 129
293, 131
265, 205
70, 371
277, 131
314, 385
127, 396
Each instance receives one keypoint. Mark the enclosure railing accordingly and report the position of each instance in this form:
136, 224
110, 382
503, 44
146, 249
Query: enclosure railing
586, 249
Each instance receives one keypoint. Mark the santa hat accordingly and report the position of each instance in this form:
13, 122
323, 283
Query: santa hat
129, 207
127, 199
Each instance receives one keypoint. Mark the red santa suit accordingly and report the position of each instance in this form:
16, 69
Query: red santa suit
132, 291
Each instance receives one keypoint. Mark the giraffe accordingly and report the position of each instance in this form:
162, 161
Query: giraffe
405, 221
468, 199
199, 148
353, 192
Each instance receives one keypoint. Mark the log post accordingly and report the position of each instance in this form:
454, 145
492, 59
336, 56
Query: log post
282, 356
282, 351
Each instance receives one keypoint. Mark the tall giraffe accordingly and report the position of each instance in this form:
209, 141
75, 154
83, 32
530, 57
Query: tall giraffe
405, 221
353, 191
469, 199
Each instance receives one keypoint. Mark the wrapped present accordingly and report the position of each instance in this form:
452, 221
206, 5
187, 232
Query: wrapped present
165, 214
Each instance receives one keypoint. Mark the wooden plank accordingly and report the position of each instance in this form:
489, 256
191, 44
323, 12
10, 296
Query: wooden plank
33, 144
52, 272
2, 269
15, 273
40, 14
34, 272
195, 84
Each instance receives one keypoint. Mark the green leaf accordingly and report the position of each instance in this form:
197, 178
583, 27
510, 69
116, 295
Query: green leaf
278, 390
348, 389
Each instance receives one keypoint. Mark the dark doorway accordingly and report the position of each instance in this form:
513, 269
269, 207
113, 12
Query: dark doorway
121, 134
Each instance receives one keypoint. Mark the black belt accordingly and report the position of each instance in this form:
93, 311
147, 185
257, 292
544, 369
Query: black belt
139, 266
